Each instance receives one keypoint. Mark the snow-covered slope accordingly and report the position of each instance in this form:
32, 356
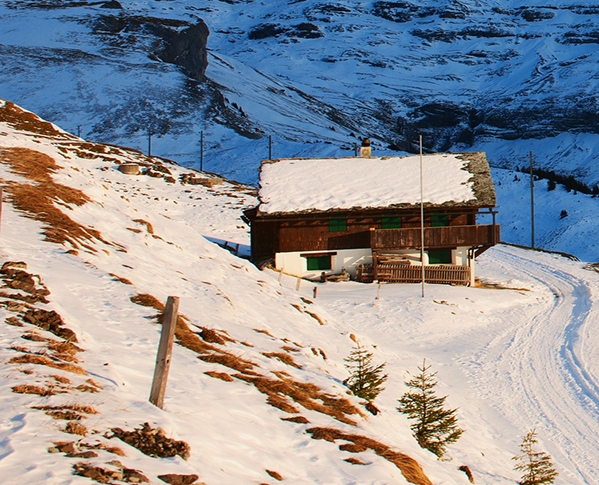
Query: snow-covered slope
255, 386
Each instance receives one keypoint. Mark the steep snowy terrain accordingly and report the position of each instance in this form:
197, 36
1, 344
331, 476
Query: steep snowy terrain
255, 393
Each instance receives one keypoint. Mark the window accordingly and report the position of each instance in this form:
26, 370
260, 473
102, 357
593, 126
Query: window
338, 224
439, 220
318, 263
439, 256
391, 222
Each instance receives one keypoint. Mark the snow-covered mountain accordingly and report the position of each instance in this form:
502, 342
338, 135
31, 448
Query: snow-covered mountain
89, 255
317, 76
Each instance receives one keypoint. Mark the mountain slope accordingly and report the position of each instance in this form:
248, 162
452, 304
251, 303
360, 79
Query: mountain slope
255, 388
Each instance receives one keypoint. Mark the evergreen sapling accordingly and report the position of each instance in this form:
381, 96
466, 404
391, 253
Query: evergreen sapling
537, 466
366, 380
434, 426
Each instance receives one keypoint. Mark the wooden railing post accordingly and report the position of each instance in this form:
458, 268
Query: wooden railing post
165, 350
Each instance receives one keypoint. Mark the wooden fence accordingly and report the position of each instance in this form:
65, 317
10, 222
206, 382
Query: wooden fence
394, 272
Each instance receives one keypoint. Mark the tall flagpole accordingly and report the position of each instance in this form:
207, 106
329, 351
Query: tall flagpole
421, 219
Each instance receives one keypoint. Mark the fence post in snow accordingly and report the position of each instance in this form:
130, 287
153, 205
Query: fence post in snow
315, 292
297, 286
165, 350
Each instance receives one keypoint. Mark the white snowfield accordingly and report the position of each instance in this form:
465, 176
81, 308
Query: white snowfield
509, 359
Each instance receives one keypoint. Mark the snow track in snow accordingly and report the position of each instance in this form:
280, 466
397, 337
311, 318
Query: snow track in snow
546, 376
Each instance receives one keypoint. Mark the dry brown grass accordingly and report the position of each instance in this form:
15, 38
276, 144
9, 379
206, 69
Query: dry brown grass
43, 360
297, 419
478, 283
278, 391
308, 395
14, 321
315, 317
38, 199
145, 223
89, 386
265, 332
22, 120
120, 279
74, 427
275, 475
69, 412
283, 357
355, 461
33, 389
410, 468
223, 376
118, 472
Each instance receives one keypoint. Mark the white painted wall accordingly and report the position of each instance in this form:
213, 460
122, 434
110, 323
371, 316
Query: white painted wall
296, 265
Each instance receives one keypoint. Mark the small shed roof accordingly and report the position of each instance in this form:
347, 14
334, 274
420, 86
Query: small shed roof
353, 183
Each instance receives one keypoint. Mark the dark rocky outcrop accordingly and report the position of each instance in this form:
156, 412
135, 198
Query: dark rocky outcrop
174, 41
186, 48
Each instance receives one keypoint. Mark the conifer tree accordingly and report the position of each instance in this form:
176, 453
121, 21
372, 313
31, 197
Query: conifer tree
365, 380
537, 465
434, 427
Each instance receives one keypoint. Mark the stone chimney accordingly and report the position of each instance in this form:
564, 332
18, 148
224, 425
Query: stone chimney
365, 150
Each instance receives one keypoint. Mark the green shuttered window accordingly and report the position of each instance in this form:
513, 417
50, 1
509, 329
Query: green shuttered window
439, 256
318, 263
338, 224
391, 222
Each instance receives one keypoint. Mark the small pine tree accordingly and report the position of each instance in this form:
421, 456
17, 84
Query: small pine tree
434, 427
537, 466
365, 380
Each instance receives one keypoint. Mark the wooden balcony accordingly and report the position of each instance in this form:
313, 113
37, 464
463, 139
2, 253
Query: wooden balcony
435, 237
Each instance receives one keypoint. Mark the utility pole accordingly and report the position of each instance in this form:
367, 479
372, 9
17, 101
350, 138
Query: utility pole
202, 150
149, 142
421, 218
532, 206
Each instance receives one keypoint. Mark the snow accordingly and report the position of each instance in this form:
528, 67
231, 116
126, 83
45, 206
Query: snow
509, 359
292, 185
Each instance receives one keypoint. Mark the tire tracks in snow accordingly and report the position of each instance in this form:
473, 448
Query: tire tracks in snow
539, 370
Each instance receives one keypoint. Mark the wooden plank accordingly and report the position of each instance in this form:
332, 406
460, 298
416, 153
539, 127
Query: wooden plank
165, 348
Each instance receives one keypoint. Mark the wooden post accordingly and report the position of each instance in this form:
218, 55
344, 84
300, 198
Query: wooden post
281, 275
165, 349
315, 292
378, 292
297, 286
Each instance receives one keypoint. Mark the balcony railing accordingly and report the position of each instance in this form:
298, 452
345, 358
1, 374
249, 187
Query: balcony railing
435, 237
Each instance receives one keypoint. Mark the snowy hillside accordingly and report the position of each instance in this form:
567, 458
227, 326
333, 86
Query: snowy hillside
255, 394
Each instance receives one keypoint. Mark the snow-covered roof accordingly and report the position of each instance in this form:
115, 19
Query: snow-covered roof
329, 184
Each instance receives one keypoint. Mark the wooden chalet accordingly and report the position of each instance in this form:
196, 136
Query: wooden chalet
319, 217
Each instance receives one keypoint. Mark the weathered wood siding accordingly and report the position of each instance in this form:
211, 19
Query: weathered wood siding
311, 232
435, 237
